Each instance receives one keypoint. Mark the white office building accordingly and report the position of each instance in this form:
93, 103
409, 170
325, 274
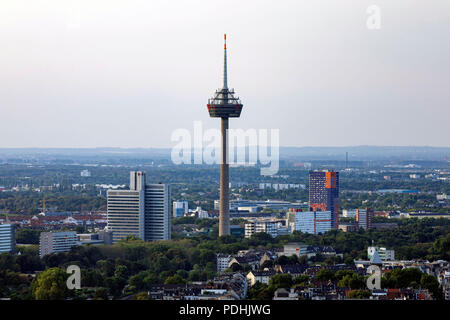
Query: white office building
54, 242
383, 253
157, 212
313, 222
269, 226
180, 208
7, 238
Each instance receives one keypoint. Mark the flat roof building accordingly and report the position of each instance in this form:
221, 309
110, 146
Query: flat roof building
180, 208
143, 211
313, 222
7, 238
54, 242
324, 193
364, 218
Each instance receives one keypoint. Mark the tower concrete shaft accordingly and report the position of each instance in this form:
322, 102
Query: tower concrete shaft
224, 210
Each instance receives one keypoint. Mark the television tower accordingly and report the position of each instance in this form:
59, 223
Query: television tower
224, 105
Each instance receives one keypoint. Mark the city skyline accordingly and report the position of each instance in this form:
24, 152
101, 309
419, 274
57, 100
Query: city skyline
79, 75
117, 184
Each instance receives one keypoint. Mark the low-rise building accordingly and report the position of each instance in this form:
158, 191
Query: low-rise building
348, 226
385, 254
223, 261
294, 270
102, 237
267, 225
259, 276
54, 242
300, 249
284, 294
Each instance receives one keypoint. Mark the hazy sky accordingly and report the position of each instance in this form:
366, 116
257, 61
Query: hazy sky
93, 73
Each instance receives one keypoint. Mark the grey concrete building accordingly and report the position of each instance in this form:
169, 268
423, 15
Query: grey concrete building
7, 237
54, 242
143, 211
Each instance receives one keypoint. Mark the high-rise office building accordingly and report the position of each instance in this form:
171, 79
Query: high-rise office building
313, 222
180, 208
143, 211
324, 193
157, 216
364, 218
7, 237
54, 242
125, 213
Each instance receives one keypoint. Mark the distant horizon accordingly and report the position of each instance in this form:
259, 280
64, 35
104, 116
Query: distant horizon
346, 146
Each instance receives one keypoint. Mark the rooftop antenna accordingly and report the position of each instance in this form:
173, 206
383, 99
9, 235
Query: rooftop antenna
225, 76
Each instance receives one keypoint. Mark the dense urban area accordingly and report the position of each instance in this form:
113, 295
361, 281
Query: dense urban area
393, 213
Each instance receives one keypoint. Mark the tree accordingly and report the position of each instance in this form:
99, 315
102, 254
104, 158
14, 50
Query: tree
138, 281
353, 281
29, 263
282, 280
430, 282
91, 278
283, 260
106, 267
51, 285
442, 247
235, 267
142, 296
194, 275
359, 294
401, 278
7, 262
324, 275
121, 272
175, 279
302, 280
115, 285
101, 294
260, 291
27, 236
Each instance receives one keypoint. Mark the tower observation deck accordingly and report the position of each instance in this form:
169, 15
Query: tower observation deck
224, 105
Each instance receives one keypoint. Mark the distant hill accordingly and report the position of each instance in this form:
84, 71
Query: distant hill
355, 153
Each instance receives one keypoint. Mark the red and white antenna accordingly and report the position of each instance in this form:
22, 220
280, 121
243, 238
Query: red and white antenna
225, 77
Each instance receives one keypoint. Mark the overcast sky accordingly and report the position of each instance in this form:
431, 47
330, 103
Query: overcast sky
92, 73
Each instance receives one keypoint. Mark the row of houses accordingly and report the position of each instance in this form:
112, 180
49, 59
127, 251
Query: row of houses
255, 258
229, 286
58, 221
